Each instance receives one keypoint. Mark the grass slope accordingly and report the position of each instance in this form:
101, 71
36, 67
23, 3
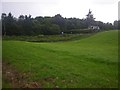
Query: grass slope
90, 62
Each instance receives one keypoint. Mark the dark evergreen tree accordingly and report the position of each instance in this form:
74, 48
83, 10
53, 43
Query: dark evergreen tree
90, 20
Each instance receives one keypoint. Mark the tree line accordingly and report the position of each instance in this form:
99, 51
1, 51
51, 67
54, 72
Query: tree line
26, 25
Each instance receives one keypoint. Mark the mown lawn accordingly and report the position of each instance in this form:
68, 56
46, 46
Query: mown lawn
91, 62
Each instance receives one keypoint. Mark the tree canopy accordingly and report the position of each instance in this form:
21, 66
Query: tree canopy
26, 25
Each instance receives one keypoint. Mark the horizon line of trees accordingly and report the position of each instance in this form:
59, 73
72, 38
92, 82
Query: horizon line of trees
26, 25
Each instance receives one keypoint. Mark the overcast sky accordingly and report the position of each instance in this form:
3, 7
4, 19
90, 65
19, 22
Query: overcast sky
103, 10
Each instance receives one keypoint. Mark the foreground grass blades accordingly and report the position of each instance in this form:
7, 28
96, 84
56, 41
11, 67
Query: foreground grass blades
91, 62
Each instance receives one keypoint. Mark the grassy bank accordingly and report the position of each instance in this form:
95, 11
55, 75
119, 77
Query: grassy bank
90, 62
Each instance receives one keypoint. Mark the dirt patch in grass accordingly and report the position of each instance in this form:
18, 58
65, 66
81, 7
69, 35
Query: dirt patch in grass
17, 79
11, 78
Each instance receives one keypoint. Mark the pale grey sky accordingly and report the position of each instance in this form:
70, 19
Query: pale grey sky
103, 10
119, 11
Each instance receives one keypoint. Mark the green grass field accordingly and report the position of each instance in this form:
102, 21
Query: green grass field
86, 63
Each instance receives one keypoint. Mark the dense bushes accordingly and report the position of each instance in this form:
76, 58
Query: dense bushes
47, 38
